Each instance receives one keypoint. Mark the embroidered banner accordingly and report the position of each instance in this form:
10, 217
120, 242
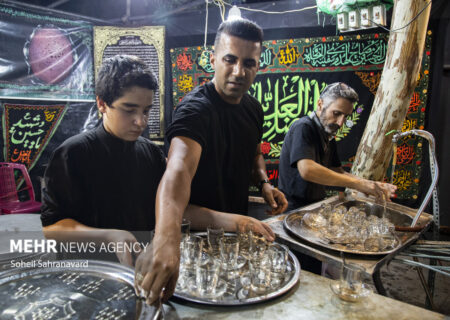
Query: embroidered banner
27, 130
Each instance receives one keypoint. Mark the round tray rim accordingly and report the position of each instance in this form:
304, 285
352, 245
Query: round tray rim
290, 216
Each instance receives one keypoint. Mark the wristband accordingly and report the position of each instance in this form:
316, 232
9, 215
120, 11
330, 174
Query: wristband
262, 182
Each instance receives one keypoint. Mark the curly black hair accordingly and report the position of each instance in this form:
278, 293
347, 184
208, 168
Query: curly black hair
121, 72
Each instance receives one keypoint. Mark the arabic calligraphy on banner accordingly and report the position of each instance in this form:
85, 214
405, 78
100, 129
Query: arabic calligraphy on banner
284, 100
405, 154
403, 179
345, 53
288, 55
27, 130
267, 58
292, 74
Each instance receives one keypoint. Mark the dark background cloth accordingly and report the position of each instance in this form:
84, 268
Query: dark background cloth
304, 140
228, 135
103, 182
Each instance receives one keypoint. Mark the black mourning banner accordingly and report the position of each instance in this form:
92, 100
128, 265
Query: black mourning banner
27, 129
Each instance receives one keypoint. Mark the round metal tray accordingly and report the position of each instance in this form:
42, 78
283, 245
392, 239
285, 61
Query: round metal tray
231, 295
293, 223
72, 290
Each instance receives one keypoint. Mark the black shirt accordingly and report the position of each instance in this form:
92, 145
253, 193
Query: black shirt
306, 139
228, 135
102, 181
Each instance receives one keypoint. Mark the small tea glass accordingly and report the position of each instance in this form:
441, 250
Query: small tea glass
245, 236
325, 210
186, 279
258, 247
246, 284
191, 250
229, 252
260, 274
350, 287
215, 238
278, 255
208, 284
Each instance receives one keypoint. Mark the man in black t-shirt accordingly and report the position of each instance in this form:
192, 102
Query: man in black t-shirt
228, 135
309, 159
214, 151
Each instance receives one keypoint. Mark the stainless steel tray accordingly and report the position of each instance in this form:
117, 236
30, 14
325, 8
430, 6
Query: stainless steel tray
71, 290
231, 296
292, 223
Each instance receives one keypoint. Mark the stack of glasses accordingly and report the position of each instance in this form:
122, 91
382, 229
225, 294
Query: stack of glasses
352, 228
231, 266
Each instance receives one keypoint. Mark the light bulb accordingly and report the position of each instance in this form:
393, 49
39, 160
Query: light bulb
234, 13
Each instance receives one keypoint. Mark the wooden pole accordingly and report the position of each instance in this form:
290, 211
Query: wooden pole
398, 80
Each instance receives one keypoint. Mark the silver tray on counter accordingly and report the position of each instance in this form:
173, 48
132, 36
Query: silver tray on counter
293, 223
70, 289
232, 296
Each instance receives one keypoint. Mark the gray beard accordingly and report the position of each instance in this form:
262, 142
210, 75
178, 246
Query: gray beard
330, 129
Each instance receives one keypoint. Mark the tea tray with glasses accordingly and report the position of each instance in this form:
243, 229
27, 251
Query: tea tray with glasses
355, 226
233, 274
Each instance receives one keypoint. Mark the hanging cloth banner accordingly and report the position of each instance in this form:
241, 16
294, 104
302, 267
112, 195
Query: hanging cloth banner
44, 57
27, 130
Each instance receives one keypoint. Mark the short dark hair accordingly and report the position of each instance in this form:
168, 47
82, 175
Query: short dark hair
121, 72
338, 90
241, 28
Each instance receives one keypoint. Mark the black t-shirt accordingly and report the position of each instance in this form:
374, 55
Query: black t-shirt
228, 135
305, 139
104, 182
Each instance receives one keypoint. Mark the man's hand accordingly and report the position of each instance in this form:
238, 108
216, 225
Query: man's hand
378, 189
156, 271
124, 237
244, 223
274, 198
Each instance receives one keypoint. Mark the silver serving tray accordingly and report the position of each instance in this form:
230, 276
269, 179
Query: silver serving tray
292, 222
100, 290
230, 297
